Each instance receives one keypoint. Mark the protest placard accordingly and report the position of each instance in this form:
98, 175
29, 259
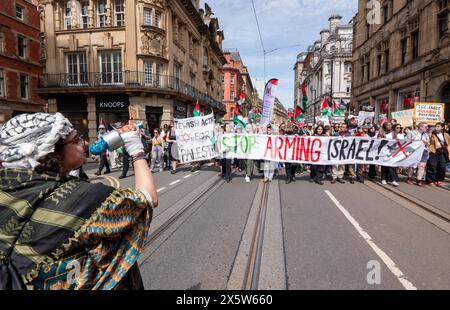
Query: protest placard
404, 117
429, 112
324, 119
196, 138
363, 115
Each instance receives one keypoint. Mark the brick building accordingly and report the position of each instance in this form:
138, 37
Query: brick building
20, 66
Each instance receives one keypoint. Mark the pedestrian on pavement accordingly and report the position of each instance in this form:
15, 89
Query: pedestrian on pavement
337, 172
419, 135
103, 158
317, 171
439, 155
125, 163
157, 150
78, 235
269, 166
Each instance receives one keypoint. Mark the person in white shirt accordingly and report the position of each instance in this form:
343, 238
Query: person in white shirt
419, 135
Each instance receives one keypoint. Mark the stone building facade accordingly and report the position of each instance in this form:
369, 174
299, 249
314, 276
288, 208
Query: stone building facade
19, 59
327, 68
401, 55
112, 60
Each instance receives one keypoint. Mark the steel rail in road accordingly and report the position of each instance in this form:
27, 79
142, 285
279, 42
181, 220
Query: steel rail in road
432, 210
171, 220
251, 276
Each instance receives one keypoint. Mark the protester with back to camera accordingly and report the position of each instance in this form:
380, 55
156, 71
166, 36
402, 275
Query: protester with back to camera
61, 232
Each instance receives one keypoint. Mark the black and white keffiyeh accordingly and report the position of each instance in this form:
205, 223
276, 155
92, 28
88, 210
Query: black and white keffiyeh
26, 138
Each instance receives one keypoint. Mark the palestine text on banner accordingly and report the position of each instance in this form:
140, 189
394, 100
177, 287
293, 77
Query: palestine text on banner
196, 138
404, 117
268, 101
323, 150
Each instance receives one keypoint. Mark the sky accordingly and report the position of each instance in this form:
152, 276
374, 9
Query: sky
289, 26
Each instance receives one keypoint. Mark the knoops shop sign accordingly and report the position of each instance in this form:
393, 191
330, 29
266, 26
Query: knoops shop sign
112, 103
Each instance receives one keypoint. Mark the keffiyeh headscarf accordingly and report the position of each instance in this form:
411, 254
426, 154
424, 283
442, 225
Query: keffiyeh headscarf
26, 138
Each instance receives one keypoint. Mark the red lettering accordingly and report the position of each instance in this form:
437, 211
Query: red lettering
290, 145
279, 147
316, 152
304, 150
269, 147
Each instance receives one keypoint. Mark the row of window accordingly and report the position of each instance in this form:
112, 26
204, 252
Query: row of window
81, 12
23, 85
21, 45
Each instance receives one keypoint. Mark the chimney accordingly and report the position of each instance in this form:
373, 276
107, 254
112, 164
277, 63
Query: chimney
335, 21
324, 35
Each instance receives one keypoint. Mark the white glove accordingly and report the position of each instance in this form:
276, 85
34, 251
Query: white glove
133, 143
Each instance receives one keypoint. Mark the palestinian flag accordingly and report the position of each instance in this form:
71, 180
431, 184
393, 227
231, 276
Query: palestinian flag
197, 109
238, 120
298, 114
304, 97
326, 107
241, 98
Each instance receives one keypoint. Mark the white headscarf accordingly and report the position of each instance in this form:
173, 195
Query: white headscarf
26, 138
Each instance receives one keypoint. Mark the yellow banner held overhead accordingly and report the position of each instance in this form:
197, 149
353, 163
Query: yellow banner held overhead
429, 112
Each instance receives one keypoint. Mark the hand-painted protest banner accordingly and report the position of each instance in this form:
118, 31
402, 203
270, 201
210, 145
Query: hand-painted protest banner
323, 150
363, 116
429, 112
196, 138
268, 101
404, 118
324, 119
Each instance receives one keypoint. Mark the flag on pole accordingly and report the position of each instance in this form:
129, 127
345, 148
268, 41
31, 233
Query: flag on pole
298, 113
325, 107
197, 109
238, 120
304, 96
242, 98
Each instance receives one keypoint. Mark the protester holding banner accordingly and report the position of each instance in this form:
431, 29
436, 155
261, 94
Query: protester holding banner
249, 163
359, 167
171, 140
269, 166
372, 168
317, 171
337, 172
290, 168
419, 135
439, 155
388, 174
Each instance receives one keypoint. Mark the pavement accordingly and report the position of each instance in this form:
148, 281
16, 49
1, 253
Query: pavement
335, 236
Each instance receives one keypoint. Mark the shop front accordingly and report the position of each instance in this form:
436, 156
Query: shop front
153, 117
111, 109
75, 109
179, 110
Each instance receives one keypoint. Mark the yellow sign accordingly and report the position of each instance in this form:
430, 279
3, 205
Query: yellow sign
429, 112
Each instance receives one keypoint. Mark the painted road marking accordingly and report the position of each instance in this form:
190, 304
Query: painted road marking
386, 259
197, 171
160, 189
187, 176
174, 182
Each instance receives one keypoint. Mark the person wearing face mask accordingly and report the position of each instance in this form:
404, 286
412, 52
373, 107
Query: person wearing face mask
439, 150
103, 158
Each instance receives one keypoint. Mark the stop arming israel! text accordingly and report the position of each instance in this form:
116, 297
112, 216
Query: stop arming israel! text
323, 150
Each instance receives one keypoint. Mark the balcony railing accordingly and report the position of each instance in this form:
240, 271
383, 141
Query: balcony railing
128, 79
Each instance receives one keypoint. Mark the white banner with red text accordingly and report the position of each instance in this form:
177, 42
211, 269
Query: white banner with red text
323, 150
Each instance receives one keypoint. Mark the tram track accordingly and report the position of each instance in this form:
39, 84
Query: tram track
178, 213
430, 213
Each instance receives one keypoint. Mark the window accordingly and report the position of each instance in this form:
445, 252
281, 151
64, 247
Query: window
111, 67
21, 46
385, 14
415, 45
368, 70
84, 14
349, 87
223, 78
101, 13
159, 72
386, 61
19, 12
232, 96
158, 18
379, 65
68, 16
76, 68
23, 86
232, 80
348, 67
147, 17
148, 73
2, 84
177, 73
119, 11
443, 24
403, 49
2, 43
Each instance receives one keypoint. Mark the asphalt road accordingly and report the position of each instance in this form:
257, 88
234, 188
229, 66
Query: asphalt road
335, 236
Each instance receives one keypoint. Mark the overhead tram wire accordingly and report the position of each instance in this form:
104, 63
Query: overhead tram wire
260, 39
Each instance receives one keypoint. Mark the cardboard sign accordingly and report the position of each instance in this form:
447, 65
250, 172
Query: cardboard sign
429, 112
404, 118
363, 115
